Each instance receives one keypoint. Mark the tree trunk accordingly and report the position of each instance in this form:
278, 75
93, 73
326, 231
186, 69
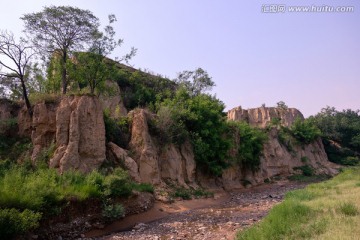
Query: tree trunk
25, 96
63, 73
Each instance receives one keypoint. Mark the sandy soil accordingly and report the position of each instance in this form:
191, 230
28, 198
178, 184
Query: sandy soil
216, 218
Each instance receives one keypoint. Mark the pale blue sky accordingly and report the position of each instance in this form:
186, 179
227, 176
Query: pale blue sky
308, 60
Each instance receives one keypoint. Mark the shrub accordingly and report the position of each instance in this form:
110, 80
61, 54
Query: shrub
143, 187
14, 222
251, 144
113, 211
305, 131
306, 170
118, 184
117, 131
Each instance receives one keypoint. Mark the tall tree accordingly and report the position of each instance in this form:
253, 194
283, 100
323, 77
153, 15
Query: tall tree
196, 82
93, 67
61, 29
18, 55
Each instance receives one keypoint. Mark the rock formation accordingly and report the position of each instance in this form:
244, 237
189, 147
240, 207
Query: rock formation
276, 159
261, 117
43, 127
159, 162
122, 158
80, 134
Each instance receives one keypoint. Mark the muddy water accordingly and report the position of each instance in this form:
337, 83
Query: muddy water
159, 211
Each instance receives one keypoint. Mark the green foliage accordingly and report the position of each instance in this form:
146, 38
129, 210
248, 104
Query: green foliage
189, 193
348, 209
142, 89
305, 131
118, 184
117, 131
113, 211
286, 139
251, 144
196, 82
341, 134
282, 220
306, 170
14, 222
143, 187
281, 105
201, 118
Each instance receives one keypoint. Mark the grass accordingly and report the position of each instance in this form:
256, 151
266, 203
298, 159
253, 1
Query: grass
28, 195
326, 210
187, 194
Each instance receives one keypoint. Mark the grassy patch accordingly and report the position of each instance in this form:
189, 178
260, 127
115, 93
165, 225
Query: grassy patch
326, 210
187, 194
27, 194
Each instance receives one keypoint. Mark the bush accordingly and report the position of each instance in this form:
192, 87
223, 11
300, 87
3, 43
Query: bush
113, 211
118, 184
251, 144
117, 131
305, 131
306, 170
14, 222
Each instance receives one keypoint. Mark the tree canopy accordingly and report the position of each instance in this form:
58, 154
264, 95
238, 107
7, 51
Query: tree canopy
62, 30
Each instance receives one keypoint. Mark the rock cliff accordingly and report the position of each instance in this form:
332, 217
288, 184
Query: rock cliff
260, 117
277, 159
158, 162
76, 126
80, 134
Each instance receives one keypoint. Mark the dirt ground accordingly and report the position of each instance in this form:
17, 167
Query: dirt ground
217, 218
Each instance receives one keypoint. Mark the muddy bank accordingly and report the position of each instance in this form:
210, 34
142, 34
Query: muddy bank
218, 218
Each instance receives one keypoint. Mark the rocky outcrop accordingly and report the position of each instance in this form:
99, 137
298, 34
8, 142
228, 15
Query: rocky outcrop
159, 162
121, 157
43, 127
178, 164
277, 159
261, 117
146, 153
80, 134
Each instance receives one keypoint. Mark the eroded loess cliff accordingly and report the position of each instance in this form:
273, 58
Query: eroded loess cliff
75, 125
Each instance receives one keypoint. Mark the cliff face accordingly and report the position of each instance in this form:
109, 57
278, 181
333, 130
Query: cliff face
261, 117
80, 134
158, 162
276, 159
76, 126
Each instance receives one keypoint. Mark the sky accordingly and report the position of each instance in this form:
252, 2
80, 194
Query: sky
257, 52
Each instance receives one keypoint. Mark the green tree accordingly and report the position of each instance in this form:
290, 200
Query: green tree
305, 131
18, 54
201, 119
93, 68
195, 82
61, 29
